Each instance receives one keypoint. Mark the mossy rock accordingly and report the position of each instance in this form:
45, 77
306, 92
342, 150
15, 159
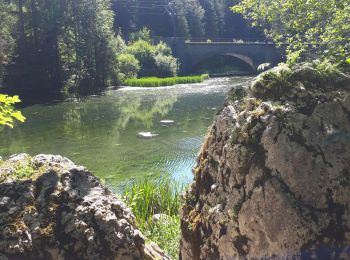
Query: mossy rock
273, 83
286, 82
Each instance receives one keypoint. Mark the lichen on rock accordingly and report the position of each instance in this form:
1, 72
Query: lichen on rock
273, 177
52, 209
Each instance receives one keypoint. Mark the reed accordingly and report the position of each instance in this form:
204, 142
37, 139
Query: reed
151, 196
158, 82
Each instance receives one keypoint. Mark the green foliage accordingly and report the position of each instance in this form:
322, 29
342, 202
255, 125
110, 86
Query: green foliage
192, 18
321, 26
157, 82
144, 52
24, 171
19, 170
60, 44
152, 196
326, 69
128, 65
7, 42
7, 111
143, 34
154, 60
189, 17
166, 65
163, 49
294, 57
166, 233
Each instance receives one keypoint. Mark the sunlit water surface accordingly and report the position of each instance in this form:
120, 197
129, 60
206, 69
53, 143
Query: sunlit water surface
101, 132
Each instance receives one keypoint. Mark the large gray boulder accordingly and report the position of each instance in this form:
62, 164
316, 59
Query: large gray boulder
273, 176
52, 209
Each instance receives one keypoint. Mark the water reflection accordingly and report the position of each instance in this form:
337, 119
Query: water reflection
142, 110
101, 132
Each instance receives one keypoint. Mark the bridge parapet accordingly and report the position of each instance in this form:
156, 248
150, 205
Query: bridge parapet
191, 52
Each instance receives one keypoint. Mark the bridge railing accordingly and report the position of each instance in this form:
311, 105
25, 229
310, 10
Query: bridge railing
211, 40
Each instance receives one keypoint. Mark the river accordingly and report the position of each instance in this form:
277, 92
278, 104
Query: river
101, 132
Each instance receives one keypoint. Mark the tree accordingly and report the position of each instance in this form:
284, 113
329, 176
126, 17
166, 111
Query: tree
316, 26
7, 42
189, 18
62, 43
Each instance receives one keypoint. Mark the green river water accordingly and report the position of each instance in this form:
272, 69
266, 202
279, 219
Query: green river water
101, 132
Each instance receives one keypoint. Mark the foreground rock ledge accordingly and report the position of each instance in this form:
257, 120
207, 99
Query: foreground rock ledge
273, 176
52, 209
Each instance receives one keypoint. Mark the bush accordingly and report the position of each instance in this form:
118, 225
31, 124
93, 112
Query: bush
143, 34
128, 65
154, 60
166, 65
144, 52
163, 49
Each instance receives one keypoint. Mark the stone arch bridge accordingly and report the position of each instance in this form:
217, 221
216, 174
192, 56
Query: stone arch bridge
192, 52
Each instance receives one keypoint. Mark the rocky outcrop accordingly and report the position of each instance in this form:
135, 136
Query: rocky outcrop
52, 209
273, 176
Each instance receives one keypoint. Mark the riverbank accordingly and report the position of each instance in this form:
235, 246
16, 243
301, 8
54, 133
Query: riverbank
158, 82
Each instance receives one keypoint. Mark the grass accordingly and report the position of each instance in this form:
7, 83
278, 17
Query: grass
151, 196
157, 82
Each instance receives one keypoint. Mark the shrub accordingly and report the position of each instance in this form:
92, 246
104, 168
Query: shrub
166, 65
143, 52
143, 34
128, 65
163, 49
154, 60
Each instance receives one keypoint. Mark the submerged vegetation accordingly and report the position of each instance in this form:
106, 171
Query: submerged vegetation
157, 82
155, 203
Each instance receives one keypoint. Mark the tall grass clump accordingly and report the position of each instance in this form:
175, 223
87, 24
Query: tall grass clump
155, 203
157, 82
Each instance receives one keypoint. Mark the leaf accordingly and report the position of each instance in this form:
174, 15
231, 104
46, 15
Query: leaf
348, 60
18, 115
8, 112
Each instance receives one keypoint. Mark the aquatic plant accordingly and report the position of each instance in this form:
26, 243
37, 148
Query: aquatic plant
155, 203
157, 82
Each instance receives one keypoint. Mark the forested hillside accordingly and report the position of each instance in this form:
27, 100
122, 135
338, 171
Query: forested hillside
192, 18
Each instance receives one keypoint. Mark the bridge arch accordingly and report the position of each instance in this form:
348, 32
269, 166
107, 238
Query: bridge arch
244, 59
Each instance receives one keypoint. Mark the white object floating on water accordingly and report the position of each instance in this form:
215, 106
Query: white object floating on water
167, 122
146, 135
